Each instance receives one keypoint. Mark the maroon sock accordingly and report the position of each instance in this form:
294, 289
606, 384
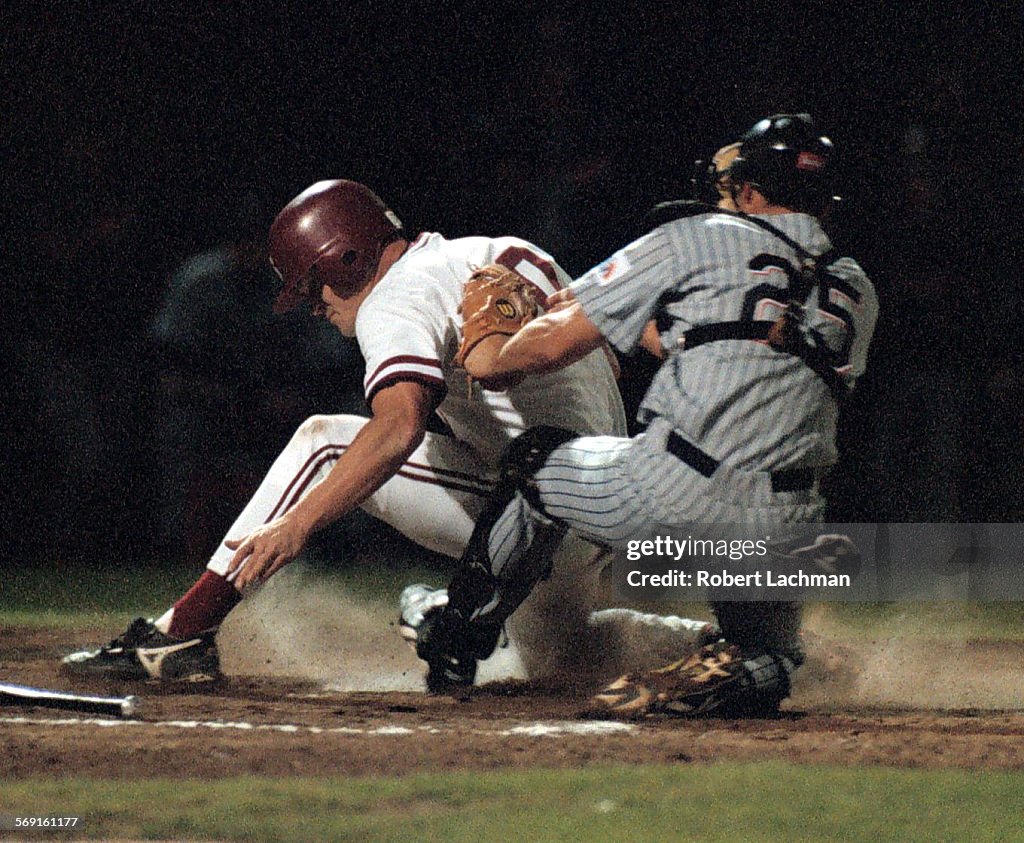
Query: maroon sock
204, 606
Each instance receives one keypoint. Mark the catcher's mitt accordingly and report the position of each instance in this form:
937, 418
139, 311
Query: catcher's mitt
717, 680
495, 300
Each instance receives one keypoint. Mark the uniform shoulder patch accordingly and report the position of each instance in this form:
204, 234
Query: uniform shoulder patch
610, 269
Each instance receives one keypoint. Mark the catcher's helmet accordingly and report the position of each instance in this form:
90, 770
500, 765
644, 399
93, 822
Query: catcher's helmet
787, 160
332, 233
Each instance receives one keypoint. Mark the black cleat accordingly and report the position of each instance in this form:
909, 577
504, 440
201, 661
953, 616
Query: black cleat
449, 645
143, 653
423, 624
416, 604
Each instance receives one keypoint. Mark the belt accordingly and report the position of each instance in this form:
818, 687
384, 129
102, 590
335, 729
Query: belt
787, 480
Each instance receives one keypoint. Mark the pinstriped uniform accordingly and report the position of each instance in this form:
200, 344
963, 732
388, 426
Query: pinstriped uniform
752, 408
738, 400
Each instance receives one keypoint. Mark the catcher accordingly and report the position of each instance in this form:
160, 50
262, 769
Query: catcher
763, 328
340, 250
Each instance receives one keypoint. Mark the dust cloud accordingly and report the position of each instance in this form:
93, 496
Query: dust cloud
903, 664
301, 625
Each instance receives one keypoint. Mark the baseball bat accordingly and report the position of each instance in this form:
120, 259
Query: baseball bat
45, 698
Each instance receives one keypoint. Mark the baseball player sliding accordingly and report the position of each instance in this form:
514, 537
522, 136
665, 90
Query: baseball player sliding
340, 249
763, 329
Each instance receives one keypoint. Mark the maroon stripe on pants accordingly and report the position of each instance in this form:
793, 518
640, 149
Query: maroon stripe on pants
312, 458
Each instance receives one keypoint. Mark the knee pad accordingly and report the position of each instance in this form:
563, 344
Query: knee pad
475, 584
525, 455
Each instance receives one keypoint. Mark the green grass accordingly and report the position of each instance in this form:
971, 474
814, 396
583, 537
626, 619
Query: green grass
68, 596
720, 802
958, 621
953, 621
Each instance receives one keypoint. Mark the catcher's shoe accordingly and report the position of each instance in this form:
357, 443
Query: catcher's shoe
448, 644
421, 623
715, 679
415, 604
142, 652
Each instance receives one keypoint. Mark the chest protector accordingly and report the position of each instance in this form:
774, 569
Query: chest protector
782, 334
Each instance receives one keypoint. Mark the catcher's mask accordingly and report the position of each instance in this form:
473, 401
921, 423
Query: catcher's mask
333, 234
712, 183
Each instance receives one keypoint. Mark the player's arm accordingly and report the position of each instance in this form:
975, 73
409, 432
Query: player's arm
650, 341
548, 343
397, 427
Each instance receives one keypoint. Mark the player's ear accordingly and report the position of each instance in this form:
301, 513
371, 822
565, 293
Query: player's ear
748, 198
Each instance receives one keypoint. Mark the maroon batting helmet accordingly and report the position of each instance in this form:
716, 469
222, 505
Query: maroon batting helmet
332, 233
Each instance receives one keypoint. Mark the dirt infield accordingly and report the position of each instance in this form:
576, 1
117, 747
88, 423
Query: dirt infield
269, 725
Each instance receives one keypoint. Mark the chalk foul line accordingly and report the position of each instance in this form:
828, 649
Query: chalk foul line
545, 730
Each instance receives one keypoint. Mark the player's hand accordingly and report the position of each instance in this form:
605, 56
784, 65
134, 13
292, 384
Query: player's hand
264, 552
559, 300
651, 340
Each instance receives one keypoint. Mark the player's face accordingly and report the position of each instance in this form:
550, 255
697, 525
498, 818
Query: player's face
341, 311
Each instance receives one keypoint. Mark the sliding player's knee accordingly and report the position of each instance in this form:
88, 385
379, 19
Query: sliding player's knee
320, 430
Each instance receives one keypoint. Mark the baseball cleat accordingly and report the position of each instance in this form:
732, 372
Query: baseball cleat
415, 604
143, 653
691, 687
437, 636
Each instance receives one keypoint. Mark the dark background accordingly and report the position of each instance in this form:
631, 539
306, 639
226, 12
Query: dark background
147, 388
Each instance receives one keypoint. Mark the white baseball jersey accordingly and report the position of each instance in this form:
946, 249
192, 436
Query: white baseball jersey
409, 328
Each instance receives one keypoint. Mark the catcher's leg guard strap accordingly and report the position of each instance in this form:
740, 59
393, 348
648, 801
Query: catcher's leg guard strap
473, 586
478, 594
527, 454
769, 683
